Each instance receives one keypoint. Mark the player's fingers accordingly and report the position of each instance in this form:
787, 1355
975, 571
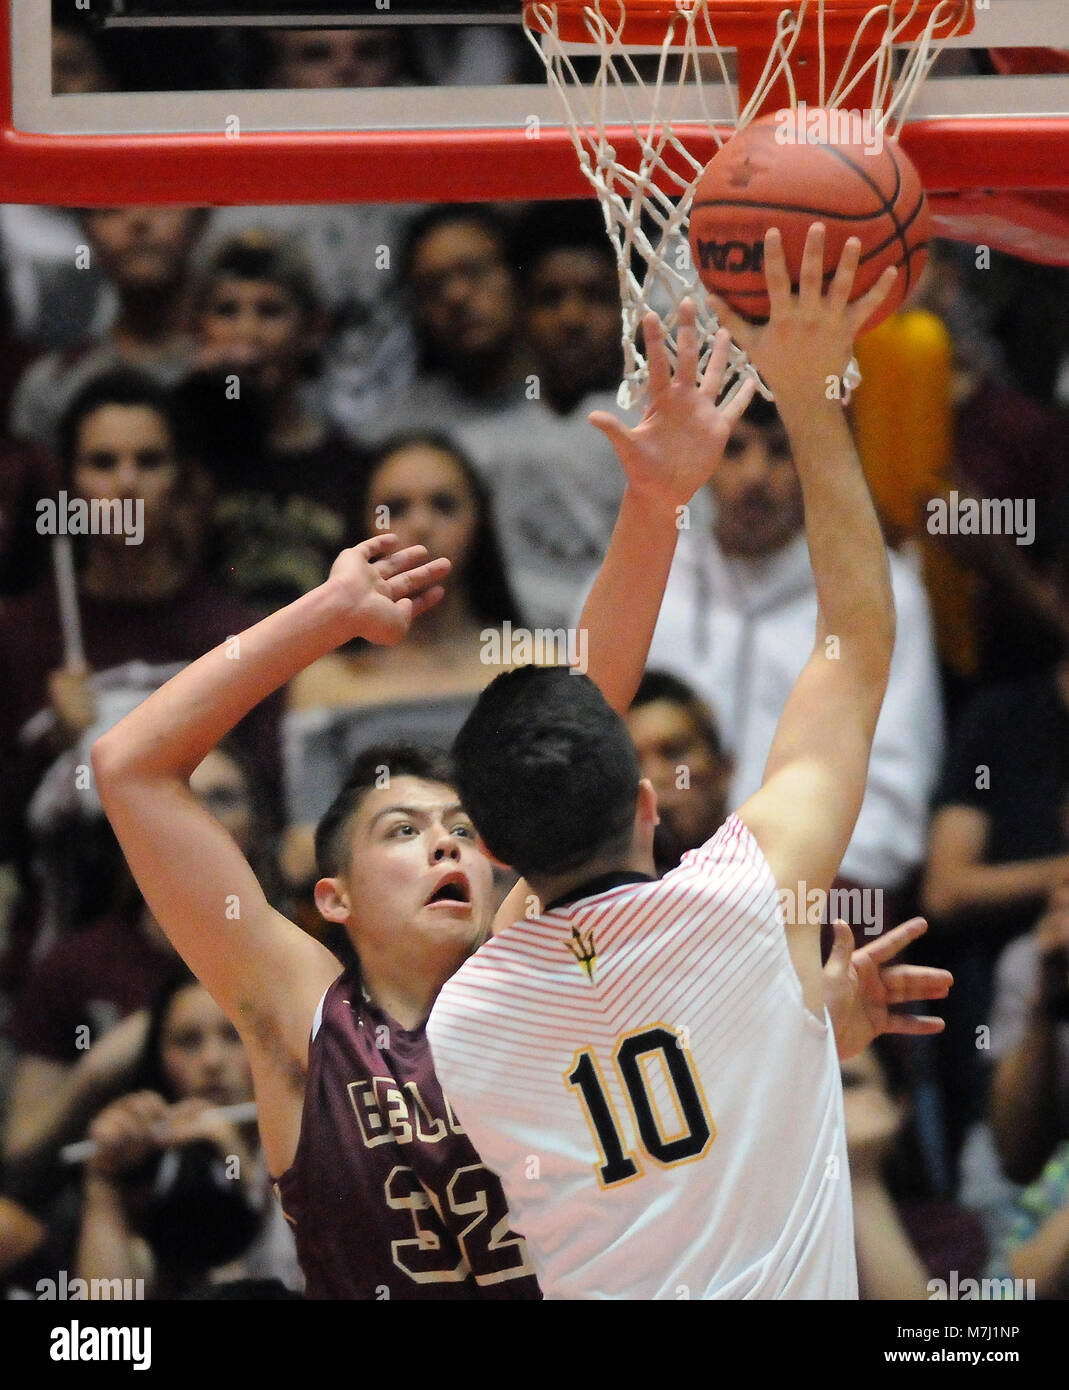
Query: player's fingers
616, 432
914, 1023
411, 582
871, 301
811, 275
713, 376
687, 343
842, 948
907, 983
887, 946
375, 547
777, 277
741, 331
400, 561
421, 602
657, 363
843, 279
737, 406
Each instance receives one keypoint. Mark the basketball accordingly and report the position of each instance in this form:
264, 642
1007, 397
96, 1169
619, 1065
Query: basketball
794, 168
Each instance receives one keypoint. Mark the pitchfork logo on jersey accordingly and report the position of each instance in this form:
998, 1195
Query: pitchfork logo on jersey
584, 951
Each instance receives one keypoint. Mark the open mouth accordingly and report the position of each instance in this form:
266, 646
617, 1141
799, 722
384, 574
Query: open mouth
454, 889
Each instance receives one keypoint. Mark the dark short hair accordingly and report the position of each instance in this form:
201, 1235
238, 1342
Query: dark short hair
575, 225
446, 215
656, 686
365, 775
123, 386
547, 771
258, 255
763, 414
434, 356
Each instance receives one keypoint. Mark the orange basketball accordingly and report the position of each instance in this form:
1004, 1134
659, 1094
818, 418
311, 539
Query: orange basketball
794, 168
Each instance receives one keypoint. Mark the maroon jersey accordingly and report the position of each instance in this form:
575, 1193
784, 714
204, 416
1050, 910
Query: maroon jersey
387, 1196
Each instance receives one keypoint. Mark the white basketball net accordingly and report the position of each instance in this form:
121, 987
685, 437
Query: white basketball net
647, 204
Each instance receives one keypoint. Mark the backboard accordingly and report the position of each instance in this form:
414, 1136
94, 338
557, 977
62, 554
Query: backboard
308, 13
968, 135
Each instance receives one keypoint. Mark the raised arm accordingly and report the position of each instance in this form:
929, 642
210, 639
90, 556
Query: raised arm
263, 971
814, 781
667, 457
672, 453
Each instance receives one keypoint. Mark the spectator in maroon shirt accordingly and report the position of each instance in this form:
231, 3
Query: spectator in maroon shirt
145, 603
287, 485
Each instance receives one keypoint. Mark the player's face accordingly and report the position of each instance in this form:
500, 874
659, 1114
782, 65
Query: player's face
259, 325
143, 248
416, 881
125, 453
574, 318
758, 495
201, 1052
690, 783
219, 785
464, 292
335, 58
427, 501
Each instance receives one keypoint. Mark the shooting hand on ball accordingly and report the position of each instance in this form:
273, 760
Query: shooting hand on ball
810, 334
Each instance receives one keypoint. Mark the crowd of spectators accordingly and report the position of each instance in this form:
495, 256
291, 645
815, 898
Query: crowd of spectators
264, 387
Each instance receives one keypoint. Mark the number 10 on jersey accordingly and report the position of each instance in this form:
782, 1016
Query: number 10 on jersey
629, 1057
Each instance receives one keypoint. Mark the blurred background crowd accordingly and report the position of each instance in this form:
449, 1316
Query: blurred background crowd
272, 384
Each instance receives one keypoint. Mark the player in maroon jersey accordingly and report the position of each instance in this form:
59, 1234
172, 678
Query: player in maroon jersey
388, 1196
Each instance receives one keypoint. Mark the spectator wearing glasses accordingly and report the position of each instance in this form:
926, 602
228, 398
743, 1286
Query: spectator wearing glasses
456, 271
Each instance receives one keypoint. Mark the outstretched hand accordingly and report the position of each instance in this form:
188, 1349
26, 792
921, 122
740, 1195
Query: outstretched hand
809, 336
860, 986
382, 588
676, 446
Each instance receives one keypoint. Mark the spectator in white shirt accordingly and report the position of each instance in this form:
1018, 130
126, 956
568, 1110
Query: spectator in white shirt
737, 624
555, 481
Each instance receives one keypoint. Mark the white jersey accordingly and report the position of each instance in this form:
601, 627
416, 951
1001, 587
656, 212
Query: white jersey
665, 1114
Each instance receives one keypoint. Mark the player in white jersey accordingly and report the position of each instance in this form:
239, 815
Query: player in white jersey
648, 1065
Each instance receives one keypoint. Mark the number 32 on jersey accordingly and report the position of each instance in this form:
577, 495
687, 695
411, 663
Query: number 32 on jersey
638, 1058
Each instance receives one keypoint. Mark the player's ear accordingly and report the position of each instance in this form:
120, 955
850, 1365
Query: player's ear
646, 806
332, 899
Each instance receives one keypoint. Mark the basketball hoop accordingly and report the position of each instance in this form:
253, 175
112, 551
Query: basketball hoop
667, 60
